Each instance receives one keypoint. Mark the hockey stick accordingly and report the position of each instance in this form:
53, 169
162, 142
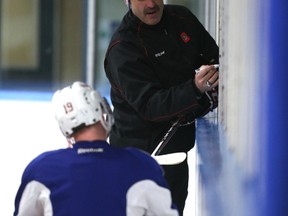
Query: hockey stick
172, 158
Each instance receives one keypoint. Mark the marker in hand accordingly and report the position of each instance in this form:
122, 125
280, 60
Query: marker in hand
216, 66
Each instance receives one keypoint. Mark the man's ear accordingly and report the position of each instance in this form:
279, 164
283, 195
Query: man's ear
127, 2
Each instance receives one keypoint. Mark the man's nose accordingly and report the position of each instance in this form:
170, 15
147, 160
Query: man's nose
150, 3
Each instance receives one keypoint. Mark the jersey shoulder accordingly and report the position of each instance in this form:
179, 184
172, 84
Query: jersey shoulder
41, 160
143, 158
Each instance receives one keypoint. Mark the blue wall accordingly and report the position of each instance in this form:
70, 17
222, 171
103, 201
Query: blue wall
277, 111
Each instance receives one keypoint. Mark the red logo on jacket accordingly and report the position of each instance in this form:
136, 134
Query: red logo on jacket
185, 37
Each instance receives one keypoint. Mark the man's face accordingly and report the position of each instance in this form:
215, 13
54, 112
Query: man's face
148, 11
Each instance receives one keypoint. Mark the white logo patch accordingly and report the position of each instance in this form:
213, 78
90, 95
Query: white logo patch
89, 150
159, 54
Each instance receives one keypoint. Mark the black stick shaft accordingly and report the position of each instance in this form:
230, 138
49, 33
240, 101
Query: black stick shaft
167, 137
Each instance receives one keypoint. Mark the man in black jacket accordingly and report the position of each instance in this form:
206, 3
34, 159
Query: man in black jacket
150, 63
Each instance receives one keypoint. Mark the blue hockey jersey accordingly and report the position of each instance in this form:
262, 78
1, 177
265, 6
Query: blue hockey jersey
93, 178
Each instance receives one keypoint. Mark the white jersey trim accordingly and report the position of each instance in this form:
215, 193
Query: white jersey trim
146, 198
35, 200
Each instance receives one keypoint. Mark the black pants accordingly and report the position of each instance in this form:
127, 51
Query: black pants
178, 177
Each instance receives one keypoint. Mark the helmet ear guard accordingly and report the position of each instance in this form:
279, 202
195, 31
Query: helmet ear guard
106, 119
79, 105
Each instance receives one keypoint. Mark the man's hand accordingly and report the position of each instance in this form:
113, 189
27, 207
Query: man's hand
206, 78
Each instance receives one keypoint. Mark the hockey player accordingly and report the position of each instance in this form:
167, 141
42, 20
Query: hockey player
90, 177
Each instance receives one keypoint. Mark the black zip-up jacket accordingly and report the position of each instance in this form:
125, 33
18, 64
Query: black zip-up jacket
151, 71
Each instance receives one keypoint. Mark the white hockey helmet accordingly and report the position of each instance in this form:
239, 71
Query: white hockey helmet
80, 105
